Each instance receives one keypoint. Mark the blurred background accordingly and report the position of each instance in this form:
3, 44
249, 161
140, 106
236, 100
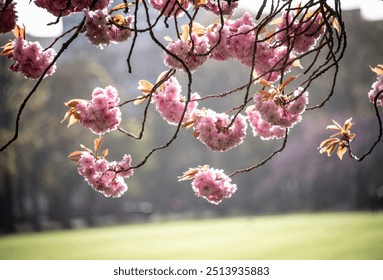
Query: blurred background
40, 188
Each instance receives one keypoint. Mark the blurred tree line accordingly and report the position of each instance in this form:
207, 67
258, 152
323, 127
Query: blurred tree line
40, 187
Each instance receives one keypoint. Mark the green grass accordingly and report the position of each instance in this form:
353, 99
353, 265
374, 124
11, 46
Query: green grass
298, 236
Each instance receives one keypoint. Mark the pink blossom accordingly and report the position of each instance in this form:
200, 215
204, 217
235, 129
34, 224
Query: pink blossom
270, 59
170, 8
7, 17
101, 114
376, 88
101, 31
65, 7
238, 39
212, 6
31, 59
221, 51
213, 185
270, 118
262, 128
302, 35
170, 104
242, 38
192, 57
214, 131
104, 176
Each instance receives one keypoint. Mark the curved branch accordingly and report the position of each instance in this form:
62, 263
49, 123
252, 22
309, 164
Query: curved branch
380, 132
263, 162
34, 89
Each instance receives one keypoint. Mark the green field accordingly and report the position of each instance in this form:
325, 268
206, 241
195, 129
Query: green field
298, 236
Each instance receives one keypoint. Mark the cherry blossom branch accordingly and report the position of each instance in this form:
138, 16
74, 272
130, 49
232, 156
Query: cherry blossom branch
178, 128
263, 162
168, 74
34, 89
379, 119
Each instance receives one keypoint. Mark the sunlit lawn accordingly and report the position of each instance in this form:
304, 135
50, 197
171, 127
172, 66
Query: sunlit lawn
298, 236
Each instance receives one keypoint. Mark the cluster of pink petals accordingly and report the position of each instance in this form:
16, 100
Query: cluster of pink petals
7, 17
102, 32
104, 176
213, 185
31, 59
171, 105
169, 8
270, 59
220, 51
262, 128
270, 120
242, 38
192, 54
302, 35
101, 114
376, 88
212, 6
66, 7
214, 129
238, 39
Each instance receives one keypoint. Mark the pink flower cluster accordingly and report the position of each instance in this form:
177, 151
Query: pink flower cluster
269, 61
242, 38
7, 17
214, 131
302, 35
213, 185
104, 176
170, 104
190, 53
31, 59
262, 128
237, 41
212, 6
101, 31
270, 118
101, 114
66, 7
170, 8
375, 89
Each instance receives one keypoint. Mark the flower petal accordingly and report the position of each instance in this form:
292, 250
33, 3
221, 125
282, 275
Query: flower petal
341, 151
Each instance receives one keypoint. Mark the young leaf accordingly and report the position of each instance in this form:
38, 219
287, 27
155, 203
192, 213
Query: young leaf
105, 153
96, 144
288, 81
198, 3
73, 120
121, 7
264, 83
378, 70
144, 86
335, 24
75, 156
7, 49
198, 29
19, 32
185, 33
139, 99
341, 151
86, 149
276, 21
168, 39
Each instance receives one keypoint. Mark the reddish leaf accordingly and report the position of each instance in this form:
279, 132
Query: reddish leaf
96, 144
